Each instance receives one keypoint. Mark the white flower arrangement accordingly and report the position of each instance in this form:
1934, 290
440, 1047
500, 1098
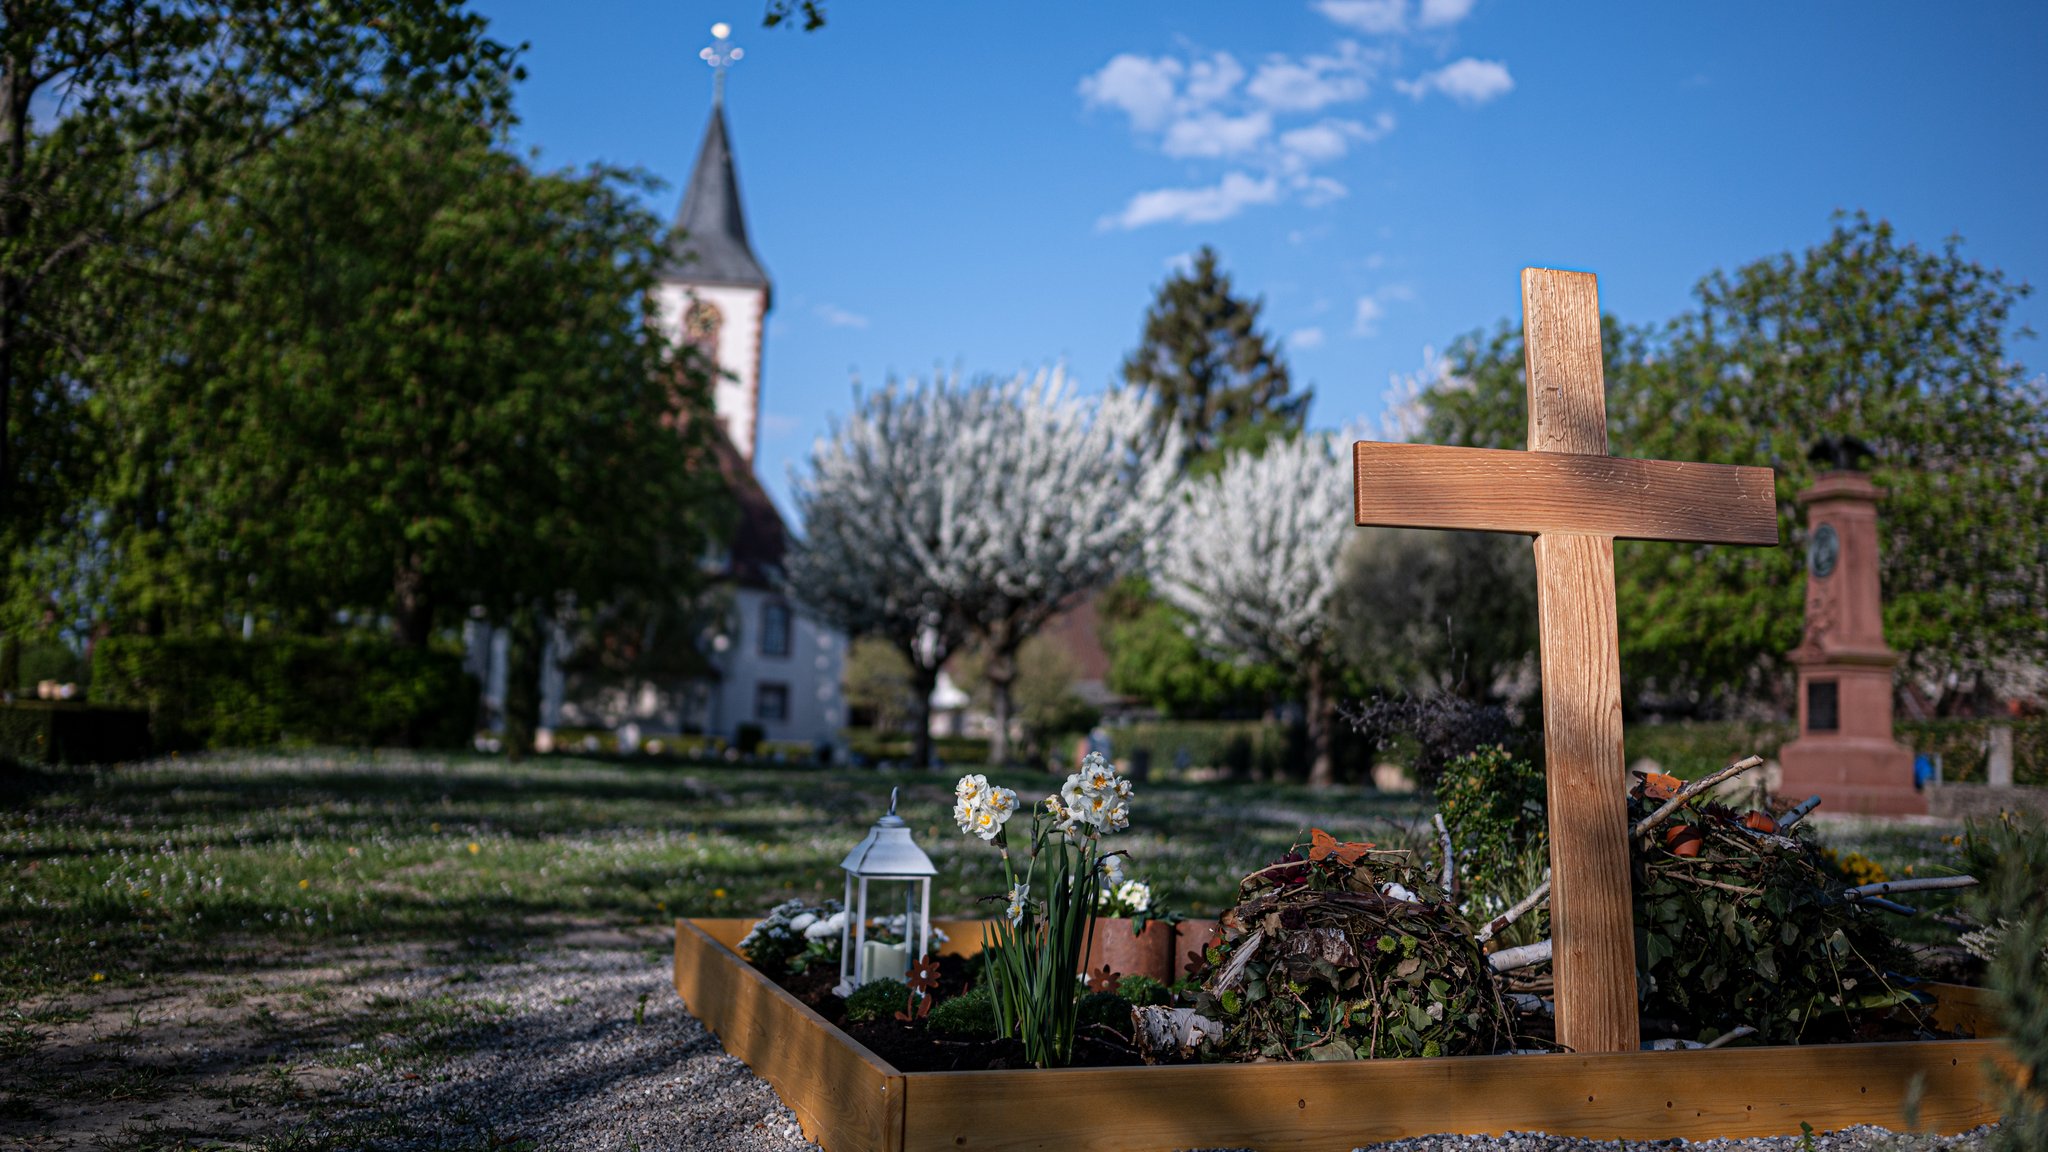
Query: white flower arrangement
1035, 949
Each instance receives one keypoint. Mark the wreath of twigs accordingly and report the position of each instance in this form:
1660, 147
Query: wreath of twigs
1344, 951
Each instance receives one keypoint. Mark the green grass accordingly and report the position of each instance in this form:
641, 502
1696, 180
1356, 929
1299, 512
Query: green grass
231, 862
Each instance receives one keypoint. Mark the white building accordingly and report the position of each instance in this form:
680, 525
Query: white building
773, 665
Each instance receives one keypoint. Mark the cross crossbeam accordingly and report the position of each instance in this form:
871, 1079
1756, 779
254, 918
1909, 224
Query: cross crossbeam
1576, 500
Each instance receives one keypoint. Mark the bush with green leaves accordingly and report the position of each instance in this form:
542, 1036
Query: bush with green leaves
1736, 926
877, 1000
973, 1014
2010, 858
793, 936
1493, 803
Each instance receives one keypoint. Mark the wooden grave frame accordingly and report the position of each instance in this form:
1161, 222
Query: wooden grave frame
849, 1100
1575, 500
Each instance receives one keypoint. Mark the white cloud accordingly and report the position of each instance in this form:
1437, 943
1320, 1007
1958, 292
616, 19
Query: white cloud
1331, 138
1211, 134
1141, 86
1374, 17
1212, 79
1468, 81
1312, 82
839, 317
1196, 205
1317, 191
1303, 339
1442, 13
1366, 321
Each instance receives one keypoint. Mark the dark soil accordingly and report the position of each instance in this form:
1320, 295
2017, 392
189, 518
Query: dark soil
910, 1048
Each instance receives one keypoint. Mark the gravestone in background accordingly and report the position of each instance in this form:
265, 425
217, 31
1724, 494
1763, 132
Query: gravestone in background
1844, 752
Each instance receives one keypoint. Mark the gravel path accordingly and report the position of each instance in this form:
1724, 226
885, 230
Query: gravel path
568, 1067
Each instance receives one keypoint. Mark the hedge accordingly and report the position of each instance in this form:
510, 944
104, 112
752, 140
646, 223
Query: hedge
229, 693
66, 732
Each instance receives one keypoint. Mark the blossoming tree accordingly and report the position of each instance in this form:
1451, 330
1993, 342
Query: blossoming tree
942, 511
873, 507
1252, 557
1048, 496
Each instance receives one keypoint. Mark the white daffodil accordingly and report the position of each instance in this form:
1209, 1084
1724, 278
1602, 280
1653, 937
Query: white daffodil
1096, 775
964, 812
1135, 895
988, 823
973, 789
1116, 817
1001, 800
1075, 799
1019, 898
1112, 871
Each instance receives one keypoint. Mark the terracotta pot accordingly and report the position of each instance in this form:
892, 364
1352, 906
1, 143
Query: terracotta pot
1684, 840
1149, 953
1192, 936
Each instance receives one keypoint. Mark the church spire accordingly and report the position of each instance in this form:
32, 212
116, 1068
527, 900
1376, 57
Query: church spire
712, 246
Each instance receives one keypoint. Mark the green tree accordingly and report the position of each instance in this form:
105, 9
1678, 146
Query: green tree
1209, 367
1425, 612
1862, 335
1153, 656
389, 372
90, 89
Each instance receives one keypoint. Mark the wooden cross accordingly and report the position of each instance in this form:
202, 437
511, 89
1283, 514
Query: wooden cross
1576, 500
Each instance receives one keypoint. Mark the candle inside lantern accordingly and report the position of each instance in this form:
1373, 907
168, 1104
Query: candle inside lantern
885, 961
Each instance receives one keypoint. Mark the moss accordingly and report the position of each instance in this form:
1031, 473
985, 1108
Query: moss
1143, 990
971, 1014
876, 1000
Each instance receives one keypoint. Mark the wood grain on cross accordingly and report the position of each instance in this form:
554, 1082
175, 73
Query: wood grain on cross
1576, 500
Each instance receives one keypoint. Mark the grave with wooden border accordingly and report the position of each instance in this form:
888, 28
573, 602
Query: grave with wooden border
1575, 500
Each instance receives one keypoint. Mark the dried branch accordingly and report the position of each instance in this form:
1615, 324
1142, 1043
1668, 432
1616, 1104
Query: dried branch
1522, 907
1693, 789
1732, 1035
1786, 821
1527, 956
1920, 884
1443, 836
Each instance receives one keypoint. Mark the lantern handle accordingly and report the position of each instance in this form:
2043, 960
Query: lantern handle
892, 801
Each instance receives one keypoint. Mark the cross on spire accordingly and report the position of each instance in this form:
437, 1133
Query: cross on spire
1575, 499
721, 54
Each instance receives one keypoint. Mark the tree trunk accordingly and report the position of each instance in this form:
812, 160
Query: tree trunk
1001, 673
922, 681
412, 617
523, 652
1322, 770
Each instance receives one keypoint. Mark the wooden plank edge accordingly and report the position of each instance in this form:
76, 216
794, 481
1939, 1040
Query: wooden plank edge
1278, 1107
718, 986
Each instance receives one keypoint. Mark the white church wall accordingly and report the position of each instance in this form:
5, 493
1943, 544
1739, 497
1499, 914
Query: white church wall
792, 696
741, 312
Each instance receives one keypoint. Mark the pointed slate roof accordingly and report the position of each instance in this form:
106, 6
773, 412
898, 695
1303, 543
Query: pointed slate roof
711, 245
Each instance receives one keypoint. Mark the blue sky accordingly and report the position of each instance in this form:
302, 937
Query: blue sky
1002, 184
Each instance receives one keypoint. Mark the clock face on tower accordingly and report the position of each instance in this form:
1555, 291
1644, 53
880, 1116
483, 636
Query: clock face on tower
1822, 550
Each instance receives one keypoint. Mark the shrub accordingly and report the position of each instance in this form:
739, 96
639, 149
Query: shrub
747, 739
970, 1014
876, 1000
2010, 857
47, 732
1444, 727
1493, 803
220, 692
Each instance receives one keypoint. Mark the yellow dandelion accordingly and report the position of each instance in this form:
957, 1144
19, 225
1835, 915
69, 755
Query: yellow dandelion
98, 976
305, 883
718, 893
435, 827
473, 849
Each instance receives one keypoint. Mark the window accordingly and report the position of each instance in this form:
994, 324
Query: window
1823, 713
771, 701
774, 629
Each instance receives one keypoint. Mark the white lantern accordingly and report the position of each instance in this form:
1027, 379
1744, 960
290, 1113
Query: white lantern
887, 855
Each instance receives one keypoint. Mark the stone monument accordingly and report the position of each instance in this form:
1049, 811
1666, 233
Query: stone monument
1844, 752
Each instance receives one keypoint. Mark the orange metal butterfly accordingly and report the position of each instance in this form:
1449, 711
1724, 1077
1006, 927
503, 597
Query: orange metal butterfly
1322, 846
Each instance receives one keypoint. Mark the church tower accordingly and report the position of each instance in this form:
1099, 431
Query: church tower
714, 293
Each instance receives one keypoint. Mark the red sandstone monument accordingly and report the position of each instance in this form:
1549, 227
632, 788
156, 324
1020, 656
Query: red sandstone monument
1845, 753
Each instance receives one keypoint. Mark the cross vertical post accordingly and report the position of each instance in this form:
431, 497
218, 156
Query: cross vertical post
1592, 929
1576, 500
